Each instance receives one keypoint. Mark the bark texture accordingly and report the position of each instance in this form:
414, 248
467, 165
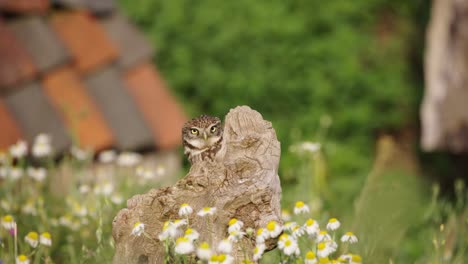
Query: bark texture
444, 110
244, 184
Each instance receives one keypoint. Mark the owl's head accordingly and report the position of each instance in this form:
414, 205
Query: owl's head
202, 132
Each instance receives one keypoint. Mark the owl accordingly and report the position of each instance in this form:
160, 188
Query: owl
202, 138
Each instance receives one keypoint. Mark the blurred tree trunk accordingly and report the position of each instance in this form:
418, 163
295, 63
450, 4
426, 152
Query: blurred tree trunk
444, 112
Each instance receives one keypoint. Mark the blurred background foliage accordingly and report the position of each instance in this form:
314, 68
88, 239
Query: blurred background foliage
341, 73
354, 64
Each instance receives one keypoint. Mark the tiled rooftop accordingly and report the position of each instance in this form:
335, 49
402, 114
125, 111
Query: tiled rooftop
80, 69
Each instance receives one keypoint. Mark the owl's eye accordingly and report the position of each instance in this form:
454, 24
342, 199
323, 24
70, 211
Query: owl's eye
213, 129
193, 131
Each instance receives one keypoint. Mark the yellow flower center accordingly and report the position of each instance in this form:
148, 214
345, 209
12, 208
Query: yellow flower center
310, 222
349, 234
8, 218
205, 245
259, 231
324, 260
323, 233
33, 235
310, 255
189, 231
299, 204
287, 243
184, 205
207, 209
221, 258
321, 246
214, 258
136, 224
333, 220
283, 237
182, 240
46, 235
232, 221
356, 258
22, 258
271, 225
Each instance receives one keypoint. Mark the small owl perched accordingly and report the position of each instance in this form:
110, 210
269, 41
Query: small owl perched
202, 138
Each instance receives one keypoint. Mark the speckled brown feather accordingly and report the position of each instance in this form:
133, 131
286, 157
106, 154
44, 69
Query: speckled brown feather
194, 153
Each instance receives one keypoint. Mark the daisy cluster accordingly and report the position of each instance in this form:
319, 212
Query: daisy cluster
182, 240
91, 191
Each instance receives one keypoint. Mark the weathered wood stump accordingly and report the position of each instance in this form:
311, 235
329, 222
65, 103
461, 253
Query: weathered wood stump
243, 185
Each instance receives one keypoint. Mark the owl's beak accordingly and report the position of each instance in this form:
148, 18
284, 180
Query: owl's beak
205, 136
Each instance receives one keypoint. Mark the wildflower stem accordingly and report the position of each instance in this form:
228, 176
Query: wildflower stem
15, 234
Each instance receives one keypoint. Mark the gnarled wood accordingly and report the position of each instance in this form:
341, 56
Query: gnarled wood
243, 185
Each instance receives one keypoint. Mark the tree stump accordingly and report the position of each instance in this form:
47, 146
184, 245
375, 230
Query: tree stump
444, 115
244, 184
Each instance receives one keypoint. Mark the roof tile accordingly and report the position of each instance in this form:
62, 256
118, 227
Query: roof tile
119, 110
15, 64
10, 131
85, 38
35, 115
97, 6
69, 97
40, 41
158, 106
24, 6
132, 45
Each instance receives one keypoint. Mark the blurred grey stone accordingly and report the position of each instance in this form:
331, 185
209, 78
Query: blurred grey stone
119, 109
35, 115
40, 41
132, 44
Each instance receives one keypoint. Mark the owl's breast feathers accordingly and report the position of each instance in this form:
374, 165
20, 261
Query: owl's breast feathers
195, 154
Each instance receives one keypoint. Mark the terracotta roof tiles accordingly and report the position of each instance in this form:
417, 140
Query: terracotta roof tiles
79, 69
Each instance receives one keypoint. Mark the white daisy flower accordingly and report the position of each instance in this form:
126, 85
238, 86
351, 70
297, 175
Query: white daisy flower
306, 146
297, 231
45, 239
128, 159
83, 189
160, 171
323, 250
333, 224
79, 210
258, 251
8, 222
345, 258
3, 172
288, 245
116, 199
105, 189
221, 259
204, 251
80, 154
184, 246
38, 174
285, 215
356, 259
185, 210
206, 211
66, 220
19, 149
262, 235
191, 234
323, 236
138, 229
310, 258
22, 259
42, 146
349, 237
273, 228
107, 156
235, 224
288, 226
311, 227
15, 173
145, 173
301, 208
32, 238
180, 222
225, 246
170, 230
236, 235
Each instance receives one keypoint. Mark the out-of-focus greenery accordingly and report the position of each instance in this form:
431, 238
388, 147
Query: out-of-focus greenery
354, 63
